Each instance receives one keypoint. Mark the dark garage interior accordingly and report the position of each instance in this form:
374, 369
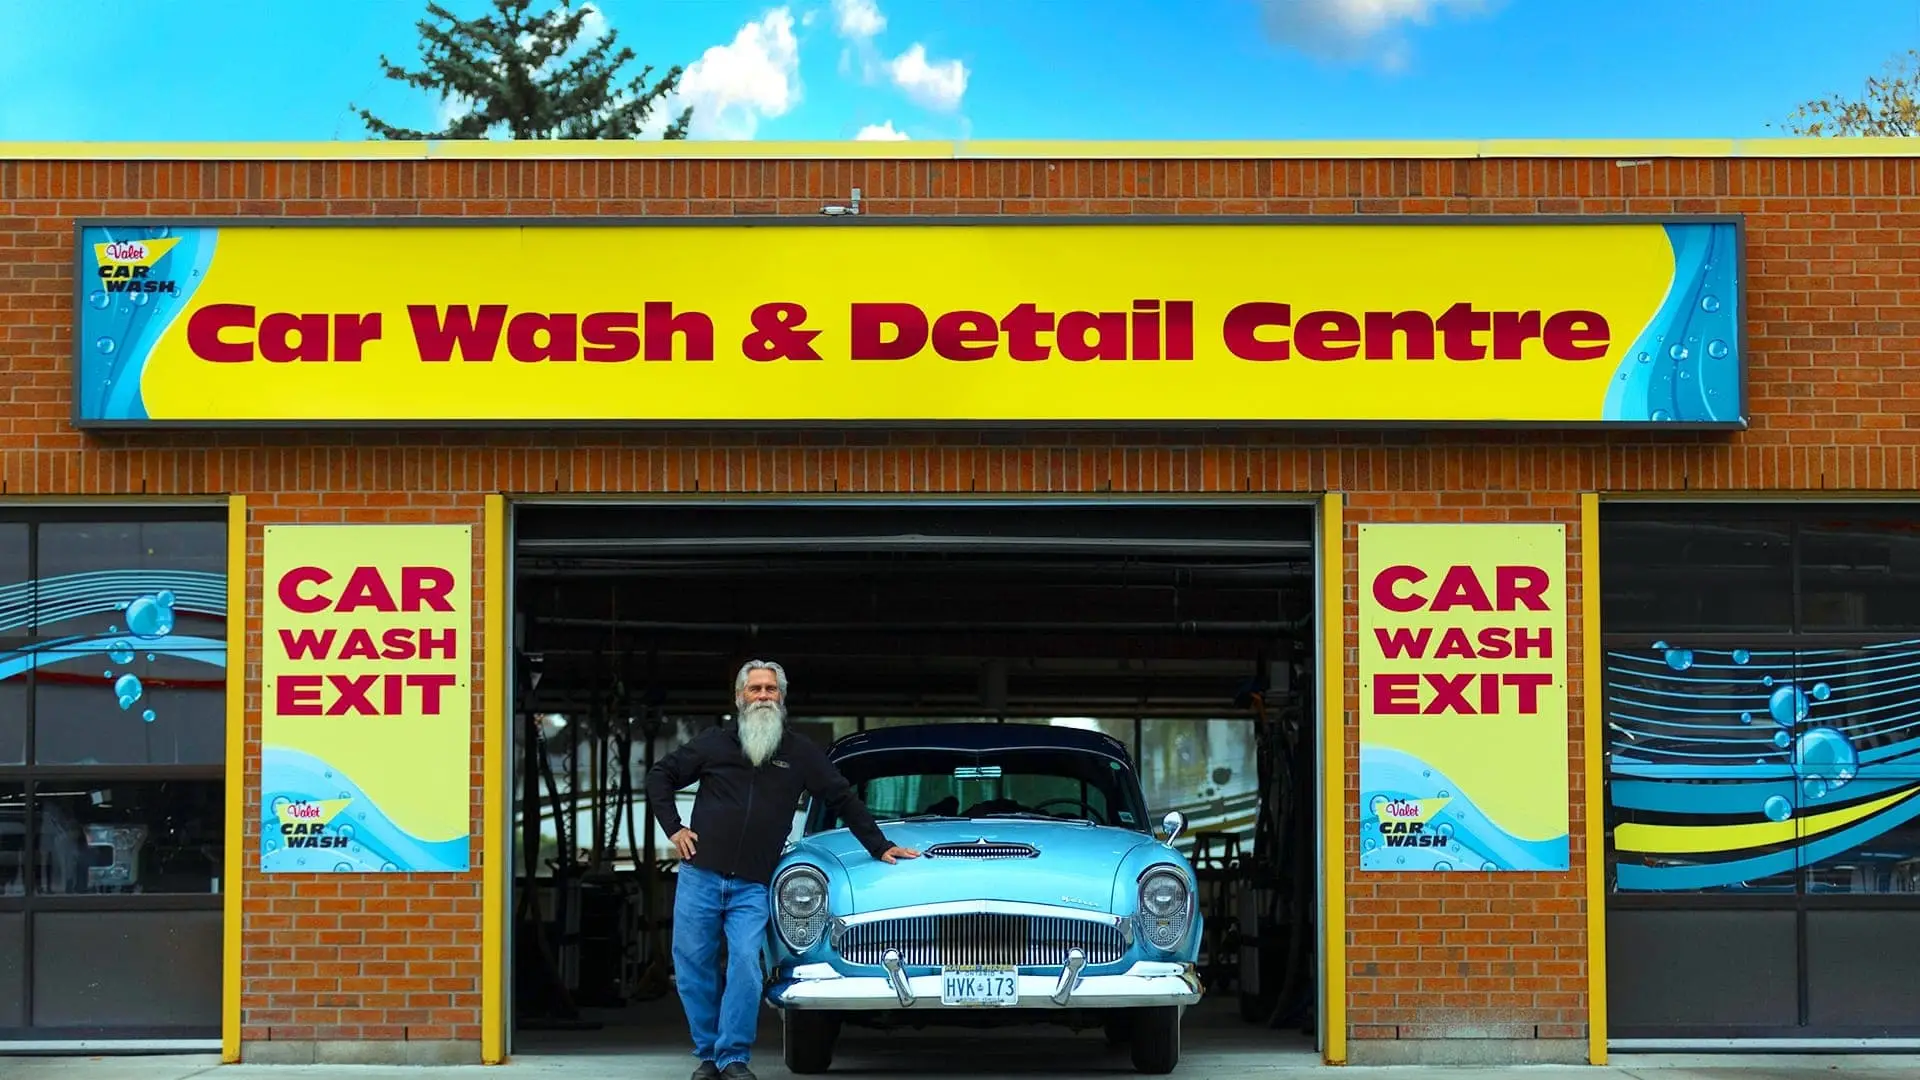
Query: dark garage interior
1184, 629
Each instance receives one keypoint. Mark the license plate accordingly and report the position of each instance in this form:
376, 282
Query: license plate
979, 986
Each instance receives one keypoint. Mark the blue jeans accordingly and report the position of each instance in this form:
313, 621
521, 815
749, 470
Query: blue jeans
722, 1020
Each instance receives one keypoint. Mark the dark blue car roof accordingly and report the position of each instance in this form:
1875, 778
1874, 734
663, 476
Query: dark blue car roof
950, 736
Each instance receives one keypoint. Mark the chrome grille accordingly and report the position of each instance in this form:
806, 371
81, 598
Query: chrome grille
983, 849
955, 940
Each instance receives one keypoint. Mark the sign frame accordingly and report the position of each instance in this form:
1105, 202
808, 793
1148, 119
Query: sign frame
1741, 417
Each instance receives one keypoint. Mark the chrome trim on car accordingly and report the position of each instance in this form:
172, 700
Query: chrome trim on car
897, 978
982, 848
1069, 976
974, 939
982, 907
1145, 984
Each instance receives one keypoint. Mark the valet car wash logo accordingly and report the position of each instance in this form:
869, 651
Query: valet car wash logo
304, 824
129, 266
1403, 822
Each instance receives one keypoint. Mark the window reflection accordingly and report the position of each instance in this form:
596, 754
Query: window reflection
13, 840
1207, 770
157, 709
163, 836
1889, 863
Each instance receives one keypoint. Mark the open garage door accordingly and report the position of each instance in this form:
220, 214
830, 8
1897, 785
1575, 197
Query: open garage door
1184, 631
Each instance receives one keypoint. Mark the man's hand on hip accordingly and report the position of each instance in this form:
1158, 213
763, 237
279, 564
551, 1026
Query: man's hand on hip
897, 852
683, 842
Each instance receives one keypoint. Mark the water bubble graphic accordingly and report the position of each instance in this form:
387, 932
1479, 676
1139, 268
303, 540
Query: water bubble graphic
1781, 739
120, 653
139, 299
1777, 808
1787, 704
1717, 349
149, 657
1684, 375
1646, 358
155, 232
1488, 866
151, 616
1442, 865
1444, 793
108, 673
1766, 680
346, 795
1662, 415
148, 716
1741, 656
1445, 829
1678, 352
1401, 859
1825, 754
129, 689
342, 868
281, 803
1379, 803
100, 300
106, 346
1371, 843
388, 867
301, 861
346, 831
1659, 644
1709, 303
272, 844
1746, 718
1679, 659
1813, 787
329, 774
1821, 691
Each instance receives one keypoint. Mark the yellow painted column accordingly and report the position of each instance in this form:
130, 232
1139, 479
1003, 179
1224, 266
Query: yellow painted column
231, 917
1592, 674
1333, 784
493, 829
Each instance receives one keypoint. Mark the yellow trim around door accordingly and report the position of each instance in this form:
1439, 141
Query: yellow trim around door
1333, 782
1592, 672
493, 825
236, 780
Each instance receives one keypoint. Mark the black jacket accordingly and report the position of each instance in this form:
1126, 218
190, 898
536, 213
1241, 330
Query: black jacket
742, 814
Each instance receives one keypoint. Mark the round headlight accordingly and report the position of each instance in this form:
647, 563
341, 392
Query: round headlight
802, 895
800, 907
1164, 902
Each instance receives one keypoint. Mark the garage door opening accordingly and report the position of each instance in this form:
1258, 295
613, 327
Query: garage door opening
1186, 632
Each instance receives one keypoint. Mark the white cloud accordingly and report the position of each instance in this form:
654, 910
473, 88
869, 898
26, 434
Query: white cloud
1356, 29
594, 26
858, 19
934, 85
881, 133
733, 87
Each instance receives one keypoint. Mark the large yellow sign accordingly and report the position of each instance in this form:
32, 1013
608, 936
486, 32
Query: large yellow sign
366, 712
1463, 697
855, 320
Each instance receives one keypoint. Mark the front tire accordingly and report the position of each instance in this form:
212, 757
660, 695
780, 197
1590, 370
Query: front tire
1156, 1040
807, 1039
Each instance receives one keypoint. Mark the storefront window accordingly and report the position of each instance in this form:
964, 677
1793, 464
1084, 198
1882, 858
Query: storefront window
1670, 570
1207, 770
113, 677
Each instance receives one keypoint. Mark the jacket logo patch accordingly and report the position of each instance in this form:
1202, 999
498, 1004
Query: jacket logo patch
779, 763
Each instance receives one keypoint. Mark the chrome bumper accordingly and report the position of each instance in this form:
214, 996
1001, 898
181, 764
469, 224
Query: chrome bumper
1147, 983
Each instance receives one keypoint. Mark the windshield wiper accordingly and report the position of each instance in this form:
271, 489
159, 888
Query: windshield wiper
930, 817
1034, 815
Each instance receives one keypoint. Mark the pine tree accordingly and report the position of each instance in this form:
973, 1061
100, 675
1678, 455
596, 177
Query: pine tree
513, 72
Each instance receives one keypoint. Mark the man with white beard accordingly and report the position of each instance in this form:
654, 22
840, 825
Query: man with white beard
751, 774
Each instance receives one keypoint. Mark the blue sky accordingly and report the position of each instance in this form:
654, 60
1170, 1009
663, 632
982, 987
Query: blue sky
991, 69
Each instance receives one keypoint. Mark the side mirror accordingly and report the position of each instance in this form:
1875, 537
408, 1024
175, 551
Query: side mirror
1174, 823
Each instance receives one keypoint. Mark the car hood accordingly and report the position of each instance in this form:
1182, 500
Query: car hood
1075, 867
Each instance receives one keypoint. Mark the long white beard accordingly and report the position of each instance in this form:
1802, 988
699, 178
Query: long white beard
761, 725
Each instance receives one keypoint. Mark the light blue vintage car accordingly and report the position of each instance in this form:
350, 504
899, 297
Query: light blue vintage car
1043, 895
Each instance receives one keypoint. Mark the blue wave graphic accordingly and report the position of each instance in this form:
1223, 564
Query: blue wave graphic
1473, 841
49, 600
118, 331
374, 844
1686, 364
1700, 737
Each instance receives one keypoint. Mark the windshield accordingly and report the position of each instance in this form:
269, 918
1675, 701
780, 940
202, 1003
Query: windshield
1061, 784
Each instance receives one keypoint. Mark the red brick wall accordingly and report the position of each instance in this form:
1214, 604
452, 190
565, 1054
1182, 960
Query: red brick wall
1834, 408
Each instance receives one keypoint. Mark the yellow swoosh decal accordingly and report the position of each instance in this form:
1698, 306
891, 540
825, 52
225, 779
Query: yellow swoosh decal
1669, 839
